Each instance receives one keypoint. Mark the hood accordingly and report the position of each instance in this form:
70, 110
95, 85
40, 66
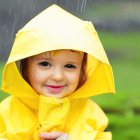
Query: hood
55, 29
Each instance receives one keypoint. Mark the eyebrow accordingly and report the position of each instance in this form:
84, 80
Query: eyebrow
45, 58
72, 62
69, 62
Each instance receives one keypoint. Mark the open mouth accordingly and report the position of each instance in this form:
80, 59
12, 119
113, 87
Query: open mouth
54, 89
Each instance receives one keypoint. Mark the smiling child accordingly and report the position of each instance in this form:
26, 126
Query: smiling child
56, 63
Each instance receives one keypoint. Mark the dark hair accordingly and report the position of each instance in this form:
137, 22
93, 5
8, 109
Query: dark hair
82, 77
23, 69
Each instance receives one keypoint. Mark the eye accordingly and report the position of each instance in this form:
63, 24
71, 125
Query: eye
69, 66
45, 64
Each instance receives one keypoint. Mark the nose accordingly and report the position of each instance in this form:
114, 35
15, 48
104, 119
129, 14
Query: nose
57, 75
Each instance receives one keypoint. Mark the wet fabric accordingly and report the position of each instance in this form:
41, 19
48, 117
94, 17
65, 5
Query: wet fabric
24, 114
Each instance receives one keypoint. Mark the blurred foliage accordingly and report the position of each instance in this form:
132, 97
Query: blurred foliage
124, 127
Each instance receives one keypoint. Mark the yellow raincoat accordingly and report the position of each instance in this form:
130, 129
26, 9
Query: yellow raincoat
24, 114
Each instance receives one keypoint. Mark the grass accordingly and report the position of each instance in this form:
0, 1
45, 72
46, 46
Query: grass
124, 127
123, 108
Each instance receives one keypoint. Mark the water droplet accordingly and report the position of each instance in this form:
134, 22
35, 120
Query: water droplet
89, 1
34, 6
9, 11
13, 27
3, 27
55, 2
60, 1
82, 5
85, 5
78, 5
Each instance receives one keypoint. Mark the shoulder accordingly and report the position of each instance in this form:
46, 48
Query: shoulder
89, 106
7, 102
16, 119
11, 107
95, 109
88, 119
11, 104
5, 112
12, 111
96, 113
91, 113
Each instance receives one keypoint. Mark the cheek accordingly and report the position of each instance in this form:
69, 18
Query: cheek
73, 78
37, 76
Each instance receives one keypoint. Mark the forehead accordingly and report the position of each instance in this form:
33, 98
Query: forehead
64, 54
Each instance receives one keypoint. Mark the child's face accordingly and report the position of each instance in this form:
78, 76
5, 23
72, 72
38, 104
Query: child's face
57, 76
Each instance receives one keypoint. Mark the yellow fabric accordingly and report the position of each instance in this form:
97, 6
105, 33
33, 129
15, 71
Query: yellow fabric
24, 114
55, 52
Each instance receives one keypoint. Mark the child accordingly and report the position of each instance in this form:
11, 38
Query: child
56, 62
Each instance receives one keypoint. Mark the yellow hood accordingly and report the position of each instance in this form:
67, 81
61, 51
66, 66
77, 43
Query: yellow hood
54, 29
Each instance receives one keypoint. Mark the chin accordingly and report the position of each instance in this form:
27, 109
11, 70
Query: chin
58, 96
